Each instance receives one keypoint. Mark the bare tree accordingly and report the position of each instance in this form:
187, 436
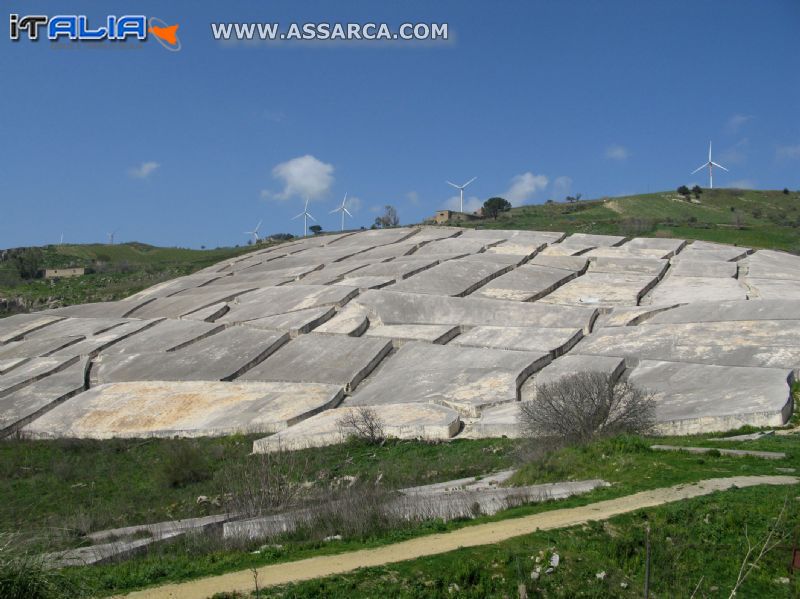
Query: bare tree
389, 217
362, 423
577, 408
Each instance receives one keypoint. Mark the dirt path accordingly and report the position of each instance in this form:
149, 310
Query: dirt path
469, 536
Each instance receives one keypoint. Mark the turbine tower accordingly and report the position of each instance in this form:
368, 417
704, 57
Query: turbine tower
461, 188
710, 165
343, 209
111, 236
306, 215
254, 232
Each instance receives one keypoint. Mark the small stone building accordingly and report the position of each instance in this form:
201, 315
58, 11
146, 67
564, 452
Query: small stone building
63, 273
448, 216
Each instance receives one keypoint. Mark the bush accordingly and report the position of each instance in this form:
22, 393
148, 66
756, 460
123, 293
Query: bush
364, 424
26, 577
578, 408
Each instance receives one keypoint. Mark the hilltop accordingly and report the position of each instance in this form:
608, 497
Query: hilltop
754, 218
112, 272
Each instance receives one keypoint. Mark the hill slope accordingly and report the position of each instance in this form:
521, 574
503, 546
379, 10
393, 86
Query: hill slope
759, 219
113, 272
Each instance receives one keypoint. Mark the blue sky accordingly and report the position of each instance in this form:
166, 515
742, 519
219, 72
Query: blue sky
537, 99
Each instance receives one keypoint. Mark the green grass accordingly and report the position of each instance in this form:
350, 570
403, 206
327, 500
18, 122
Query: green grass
113, 272
127, 482
698, 541
768, 219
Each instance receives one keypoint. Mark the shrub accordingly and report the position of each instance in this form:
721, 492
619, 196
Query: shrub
581, 407
364, 424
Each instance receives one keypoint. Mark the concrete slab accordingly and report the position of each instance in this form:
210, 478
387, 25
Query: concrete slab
400, 268
178, 305
554, 341
374, 237
583, 239
703, 250
455, 278
164, 335
577, 264
389, 307
401, 421
659, 243
496, 421
101, 309
628, 252
572, 364
92, 345
773, 289
31, 371
38, 347
686, 267
294, 323
625, 265
223, 356
17, 326
565, 249
454, 246
32, 400
739, 453
331, 273
333, 359
185, 409
603, 289
683, 290
353, 320
281, 300
628, 317
9, 364
525, 283
401, 333
740, 343
699, 398
76, 327
769, 264
366, 282
466, 379
731, 311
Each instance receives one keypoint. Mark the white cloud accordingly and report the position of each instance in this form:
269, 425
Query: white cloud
413, 198
144, 170
617, 152
737, 154
303, 177
524, 186
743, 184
471, 203
354, 204
562, 186
788, 152
736, 122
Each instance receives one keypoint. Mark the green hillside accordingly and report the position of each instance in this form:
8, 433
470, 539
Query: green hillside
112, 272
754, 218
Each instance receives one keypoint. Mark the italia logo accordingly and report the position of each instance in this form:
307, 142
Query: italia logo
78, 28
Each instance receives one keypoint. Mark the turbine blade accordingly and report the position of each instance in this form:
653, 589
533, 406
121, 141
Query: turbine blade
258, 226
312, 218
699, 168
348, 213
452, 184
298, 216
468, 182
720, 166
339, 209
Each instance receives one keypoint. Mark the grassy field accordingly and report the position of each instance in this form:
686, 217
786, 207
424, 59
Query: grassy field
54, 492
113, 272
753, 218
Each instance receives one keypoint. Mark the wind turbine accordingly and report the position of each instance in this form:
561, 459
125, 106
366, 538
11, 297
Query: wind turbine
61, 242
461, 188
254, 232
710, 164
306, 215
111, 236
343, 209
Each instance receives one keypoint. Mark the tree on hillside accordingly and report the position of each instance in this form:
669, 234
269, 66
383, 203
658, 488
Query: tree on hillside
786, 191
388, 219
684, 191
494, 206
315, 229
28, 262
697, 190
